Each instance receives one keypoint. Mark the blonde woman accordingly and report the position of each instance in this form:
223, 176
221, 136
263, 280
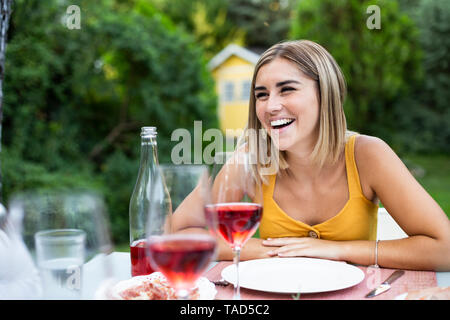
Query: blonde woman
323, 200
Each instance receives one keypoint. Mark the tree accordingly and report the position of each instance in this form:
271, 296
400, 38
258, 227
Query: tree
265, 22
380, 65
5, 12
76, 99
216, 23
208, 21
434, 24
426, 125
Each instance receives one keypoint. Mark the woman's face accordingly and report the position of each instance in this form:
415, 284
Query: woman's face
287, 104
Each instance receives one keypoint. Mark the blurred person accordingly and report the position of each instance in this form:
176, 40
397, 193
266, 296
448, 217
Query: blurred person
19, 278
323, 201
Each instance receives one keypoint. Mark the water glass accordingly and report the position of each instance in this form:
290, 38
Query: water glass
67, 233
60, 255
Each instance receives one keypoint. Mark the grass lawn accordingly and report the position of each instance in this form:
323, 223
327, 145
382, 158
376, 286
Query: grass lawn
433, 173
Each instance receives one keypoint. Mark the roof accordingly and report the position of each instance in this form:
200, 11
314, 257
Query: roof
230, 50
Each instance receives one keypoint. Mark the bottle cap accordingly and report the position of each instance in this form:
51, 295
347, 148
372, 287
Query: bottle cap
148, 132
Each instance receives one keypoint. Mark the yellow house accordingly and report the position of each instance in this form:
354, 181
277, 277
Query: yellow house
232, 70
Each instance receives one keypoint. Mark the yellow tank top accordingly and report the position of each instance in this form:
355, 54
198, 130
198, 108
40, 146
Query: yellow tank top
356, 221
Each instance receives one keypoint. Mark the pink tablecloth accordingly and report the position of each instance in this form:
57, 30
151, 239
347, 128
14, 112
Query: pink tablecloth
411, 280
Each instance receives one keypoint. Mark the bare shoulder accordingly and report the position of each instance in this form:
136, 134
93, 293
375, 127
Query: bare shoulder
375, 160
371, 150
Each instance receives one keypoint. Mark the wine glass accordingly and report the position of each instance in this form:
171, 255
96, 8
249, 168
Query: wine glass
67, 234
19, 277
237, 201
182, 257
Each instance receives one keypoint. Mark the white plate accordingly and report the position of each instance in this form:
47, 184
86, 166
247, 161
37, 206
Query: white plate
294, 275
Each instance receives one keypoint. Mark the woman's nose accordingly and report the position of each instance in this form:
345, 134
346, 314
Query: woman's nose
274, 105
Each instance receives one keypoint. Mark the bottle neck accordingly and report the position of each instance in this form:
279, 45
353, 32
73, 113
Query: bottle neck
149, 153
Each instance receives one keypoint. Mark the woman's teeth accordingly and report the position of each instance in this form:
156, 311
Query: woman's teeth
280, 123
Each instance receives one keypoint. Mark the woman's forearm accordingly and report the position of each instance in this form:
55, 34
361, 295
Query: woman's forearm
253, 249
415, 252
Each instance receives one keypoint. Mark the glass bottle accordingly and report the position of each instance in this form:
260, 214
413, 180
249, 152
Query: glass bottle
140, 202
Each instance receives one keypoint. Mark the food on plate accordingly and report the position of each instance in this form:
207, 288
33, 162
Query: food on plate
149, 287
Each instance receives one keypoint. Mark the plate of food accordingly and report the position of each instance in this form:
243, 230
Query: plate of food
155, 286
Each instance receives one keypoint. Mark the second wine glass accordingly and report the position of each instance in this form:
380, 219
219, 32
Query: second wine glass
236, 200
181, 257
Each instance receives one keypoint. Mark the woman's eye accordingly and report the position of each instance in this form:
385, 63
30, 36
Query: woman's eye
261, 95
285, 89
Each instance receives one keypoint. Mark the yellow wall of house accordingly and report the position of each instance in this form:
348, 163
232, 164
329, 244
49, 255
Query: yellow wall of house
233, 113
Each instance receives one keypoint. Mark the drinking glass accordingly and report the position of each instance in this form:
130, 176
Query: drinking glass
181, 256
236, 198
67, 233
19, 278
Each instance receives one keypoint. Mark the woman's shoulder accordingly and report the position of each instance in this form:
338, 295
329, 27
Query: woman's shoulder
372, 156
364, 143
372, 153
369, 147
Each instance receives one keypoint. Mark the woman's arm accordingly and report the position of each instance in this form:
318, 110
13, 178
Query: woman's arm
416, 212
383, 175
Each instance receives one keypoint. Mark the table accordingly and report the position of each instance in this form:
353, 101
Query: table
93, 272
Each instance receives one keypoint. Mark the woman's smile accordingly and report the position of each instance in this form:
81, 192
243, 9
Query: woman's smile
281, 124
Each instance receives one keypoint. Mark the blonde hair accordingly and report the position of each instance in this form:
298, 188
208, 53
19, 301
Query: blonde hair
315, 62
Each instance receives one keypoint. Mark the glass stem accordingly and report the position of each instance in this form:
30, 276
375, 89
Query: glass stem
237, 288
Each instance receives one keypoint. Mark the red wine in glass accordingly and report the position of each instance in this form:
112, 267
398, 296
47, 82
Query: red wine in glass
182, 258
237, 221
140, 263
